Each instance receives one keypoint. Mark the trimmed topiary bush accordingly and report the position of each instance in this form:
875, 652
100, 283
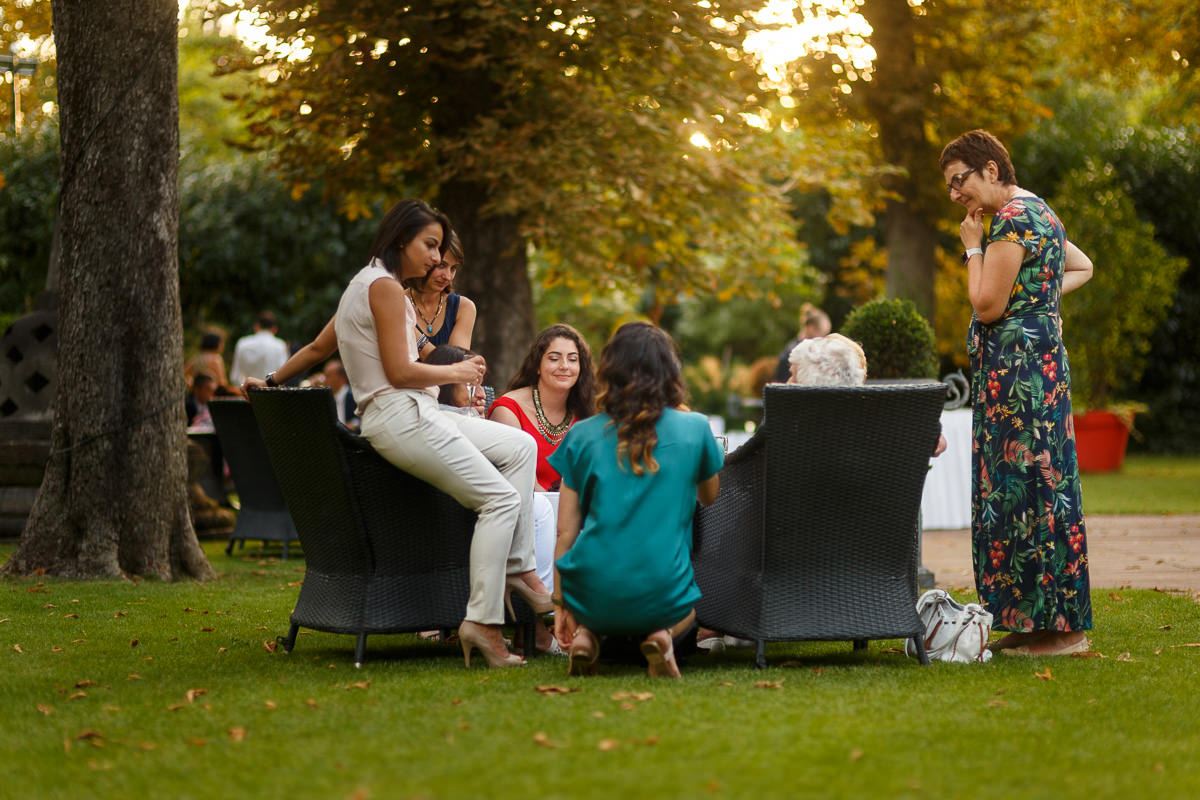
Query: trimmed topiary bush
898, 341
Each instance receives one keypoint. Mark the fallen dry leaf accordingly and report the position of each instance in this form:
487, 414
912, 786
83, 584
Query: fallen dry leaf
45, 709
207, 630
133, 676
627, 706
271, 705
598, 715
71, 616
310, 703
222, 650
270, 646
641, 697
359, 685
856, 754
556, 689
17, 647
1158, 766
76, 695
1164, 627
1126, 657
56, 649
892, 651
607, 744
237, 734
118, 614
1189, 644
1158, 652
768, 684
463, 726
1045, 676
112, 708
88, 734
176, 706
1089, 654
83, 684
196, 742
146, 745
997, 703
540, 738
725, 683
192, 694
133, 642
650, 740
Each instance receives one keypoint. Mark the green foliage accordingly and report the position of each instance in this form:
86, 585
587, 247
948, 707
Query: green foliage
240, 227
28, 205
577, 121
1108, 322
898, 341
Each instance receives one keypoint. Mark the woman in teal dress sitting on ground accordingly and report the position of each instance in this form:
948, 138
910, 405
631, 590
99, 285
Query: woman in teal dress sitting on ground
631, 476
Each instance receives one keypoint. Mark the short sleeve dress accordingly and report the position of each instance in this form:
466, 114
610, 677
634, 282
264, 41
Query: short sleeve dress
1028, 536
630, 569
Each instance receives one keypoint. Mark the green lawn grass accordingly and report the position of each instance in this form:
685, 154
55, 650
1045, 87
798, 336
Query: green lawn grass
117, 689
1145, 485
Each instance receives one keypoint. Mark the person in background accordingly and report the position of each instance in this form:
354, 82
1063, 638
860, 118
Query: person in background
260, 353
1028, 538
210, 361
458, 398
631, 477
813, 322
343, 398
204, 387
444, 317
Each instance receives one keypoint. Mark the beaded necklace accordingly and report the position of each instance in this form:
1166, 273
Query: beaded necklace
417, 307
550, 432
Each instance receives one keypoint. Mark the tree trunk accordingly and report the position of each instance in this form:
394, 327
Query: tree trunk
912, 244
496, 278
113, 500
896, 98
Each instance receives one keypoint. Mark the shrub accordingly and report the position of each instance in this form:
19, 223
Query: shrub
1107, 323
898, 341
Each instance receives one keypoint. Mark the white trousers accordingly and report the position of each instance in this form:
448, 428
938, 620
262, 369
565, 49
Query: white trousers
486, 466
545, 535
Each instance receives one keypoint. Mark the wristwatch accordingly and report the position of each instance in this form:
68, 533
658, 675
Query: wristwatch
971, 251
270, 380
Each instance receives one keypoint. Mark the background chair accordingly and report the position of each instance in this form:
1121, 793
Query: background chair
814, 535
263, 514
385, 552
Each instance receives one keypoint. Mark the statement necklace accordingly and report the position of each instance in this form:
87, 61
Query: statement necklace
417, 307
551, 433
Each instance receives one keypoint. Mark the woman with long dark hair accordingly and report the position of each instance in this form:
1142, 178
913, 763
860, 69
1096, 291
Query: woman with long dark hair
631, 476
488, 468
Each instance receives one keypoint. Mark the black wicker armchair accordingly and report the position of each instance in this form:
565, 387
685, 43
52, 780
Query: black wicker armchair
814, 535
263, 514
385, 552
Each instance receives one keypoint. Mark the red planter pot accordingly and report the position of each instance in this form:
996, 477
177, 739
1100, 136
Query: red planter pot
1100, 439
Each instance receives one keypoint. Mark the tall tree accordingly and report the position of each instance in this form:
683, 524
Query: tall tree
940, 67
561, 124
113, 501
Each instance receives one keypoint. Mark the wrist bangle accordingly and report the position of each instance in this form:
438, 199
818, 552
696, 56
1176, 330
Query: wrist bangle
971, 251
558, 601
270, 380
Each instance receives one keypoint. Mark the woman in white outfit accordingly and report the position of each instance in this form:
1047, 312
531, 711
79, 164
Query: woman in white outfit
489, 468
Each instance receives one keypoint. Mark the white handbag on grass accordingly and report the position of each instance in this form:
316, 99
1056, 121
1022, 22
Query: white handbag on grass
953, 632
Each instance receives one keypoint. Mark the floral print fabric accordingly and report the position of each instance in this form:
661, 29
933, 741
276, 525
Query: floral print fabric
1028, 541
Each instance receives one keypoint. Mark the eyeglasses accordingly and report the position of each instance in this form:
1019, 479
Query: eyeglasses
956, 182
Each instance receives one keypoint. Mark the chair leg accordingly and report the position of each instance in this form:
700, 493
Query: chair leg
860, 644
360, 650
760, 654
922, 655
229, 547
290, 641
285, 549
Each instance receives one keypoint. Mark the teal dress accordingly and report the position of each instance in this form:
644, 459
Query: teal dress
630, 569
1028, 536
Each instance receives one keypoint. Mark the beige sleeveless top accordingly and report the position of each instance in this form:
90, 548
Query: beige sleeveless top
358, 340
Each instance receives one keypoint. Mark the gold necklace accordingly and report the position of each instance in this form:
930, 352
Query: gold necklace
550, 432
417, 308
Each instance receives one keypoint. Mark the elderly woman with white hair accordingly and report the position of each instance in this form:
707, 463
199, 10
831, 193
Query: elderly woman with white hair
834, 360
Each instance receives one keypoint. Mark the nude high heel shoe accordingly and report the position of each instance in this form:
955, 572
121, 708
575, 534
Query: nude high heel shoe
540, 602
584, 651
471, 636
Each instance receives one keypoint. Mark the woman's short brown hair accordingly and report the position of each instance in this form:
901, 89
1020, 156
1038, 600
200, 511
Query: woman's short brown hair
975, 149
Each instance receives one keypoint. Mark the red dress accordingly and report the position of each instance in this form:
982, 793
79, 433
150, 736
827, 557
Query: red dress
547, 476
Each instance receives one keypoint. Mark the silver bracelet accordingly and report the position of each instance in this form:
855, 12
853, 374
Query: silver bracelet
422, 340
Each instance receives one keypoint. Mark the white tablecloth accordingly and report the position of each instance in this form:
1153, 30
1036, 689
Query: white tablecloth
946, 503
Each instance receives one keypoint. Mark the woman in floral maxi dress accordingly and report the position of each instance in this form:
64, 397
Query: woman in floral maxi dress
1028, 536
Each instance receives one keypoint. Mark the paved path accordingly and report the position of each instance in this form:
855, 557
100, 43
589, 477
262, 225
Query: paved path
1149, 552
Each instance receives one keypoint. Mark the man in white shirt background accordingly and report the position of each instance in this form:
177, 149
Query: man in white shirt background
335, 379
260, 353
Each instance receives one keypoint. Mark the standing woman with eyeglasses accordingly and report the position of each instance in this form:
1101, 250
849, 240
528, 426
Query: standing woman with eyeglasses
1028, 537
